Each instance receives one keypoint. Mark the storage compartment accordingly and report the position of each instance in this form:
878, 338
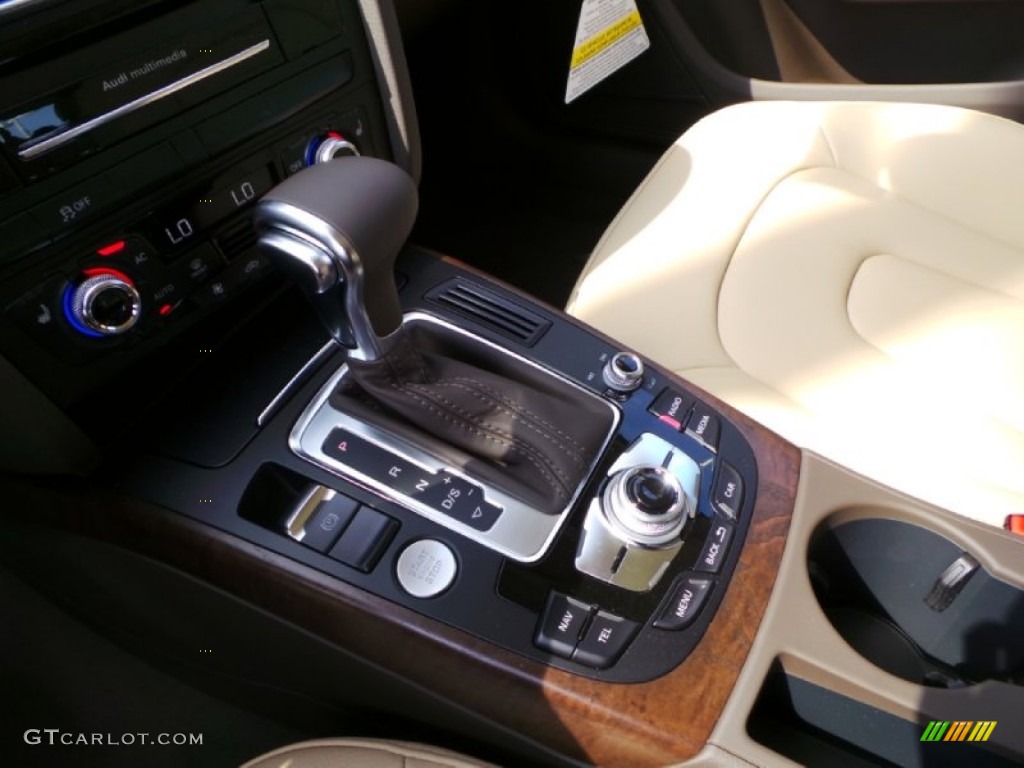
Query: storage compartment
909, 601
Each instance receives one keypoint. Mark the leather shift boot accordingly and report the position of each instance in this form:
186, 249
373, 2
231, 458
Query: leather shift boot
544, 441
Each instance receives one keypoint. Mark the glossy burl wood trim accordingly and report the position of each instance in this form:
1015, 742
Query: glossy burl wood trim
650, 724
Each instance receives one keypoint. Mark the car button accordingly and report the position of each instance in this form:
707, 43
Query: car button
728, 495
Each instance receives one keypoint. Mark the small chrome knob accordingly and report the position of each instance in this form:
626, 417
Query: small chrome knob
331, 146
624, 372
106, 304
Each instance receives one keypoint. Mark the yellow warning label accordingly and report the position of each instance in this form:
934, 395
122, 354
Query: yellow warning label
606, 37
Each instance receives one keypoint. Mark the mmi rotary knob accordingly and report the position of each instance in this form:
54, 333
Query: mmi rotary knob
634, 529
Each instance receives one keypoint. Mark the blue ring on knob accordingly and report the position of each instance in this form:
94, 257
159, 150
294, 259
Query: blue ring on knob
70, 316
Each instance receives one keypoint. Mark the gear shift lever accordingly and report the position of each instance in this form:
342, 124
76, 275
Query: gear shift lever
339, 226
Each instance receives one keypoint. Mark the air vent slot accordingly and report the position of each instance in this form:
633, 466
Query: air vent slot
236, 238
490, 309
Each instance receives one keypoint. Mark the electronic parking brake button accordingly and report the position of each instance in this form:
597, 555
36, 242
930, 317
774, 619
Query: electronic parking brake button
684, 603
327, 522
671, 407
561, 625
605, 640
716, 546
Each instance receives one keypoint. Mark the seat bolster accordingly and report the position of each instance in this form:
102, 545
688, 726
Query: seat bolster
666, 253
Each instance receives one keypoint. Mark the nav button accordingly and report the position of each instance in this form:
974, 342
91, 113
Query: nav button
561, 625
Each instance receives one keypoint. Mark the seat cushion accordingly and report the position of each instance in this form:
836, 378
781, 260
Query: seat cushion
851, 275
362, 753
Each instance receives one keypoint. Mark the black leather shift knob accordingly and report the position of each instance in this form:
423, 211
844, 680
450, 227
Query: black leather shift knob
337, 227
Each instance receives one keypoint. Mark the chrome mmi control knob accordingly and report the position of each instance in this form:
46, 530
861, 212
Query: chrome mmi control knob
105, 304
633, 530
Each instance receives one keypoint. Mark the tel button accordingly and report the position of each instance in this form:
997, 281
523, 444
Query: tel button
605, 640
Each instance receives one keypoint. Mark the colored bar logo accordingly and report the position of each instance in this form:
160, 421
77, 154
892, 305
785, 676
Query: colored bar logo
958, 730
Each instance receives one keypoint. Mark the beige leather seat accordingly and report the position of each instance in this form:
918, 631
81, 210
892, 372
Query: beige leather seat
849, 274
362, 753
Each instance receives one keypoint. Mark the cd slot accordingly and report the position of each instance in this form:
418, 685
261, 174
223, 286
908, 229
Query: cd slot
42, 146
77, 105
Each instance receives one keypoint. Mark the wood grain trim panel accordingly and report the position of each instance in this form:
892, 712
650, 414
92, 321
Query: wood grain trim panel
651, 724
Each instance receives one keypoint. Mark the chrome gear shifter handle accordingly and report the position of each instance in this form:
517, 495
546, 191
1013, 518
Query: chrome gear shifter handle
336, 228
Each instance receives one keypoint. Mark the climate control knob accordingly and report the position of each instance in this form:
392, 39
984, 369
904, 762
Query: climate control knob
105, 304
325, 148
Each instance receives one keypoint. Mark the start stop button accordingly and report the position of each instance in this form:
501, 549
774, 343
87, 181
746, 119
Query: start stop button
426, 568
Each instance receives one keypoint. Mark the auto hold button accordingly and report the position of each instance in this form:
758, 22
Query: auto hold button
684, 602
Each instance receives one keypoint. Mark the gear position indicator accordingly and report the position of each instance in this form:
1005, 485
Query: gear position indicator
442, 491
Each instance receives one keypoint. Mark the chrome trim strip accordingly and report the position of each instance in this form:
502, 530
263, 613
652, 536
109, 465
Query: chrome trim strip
521, 532
48, 144
17, 5
314, 362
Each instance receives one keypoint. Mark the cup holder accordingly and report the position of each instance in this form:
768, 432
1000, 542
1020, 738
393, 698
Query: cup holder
909, 601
